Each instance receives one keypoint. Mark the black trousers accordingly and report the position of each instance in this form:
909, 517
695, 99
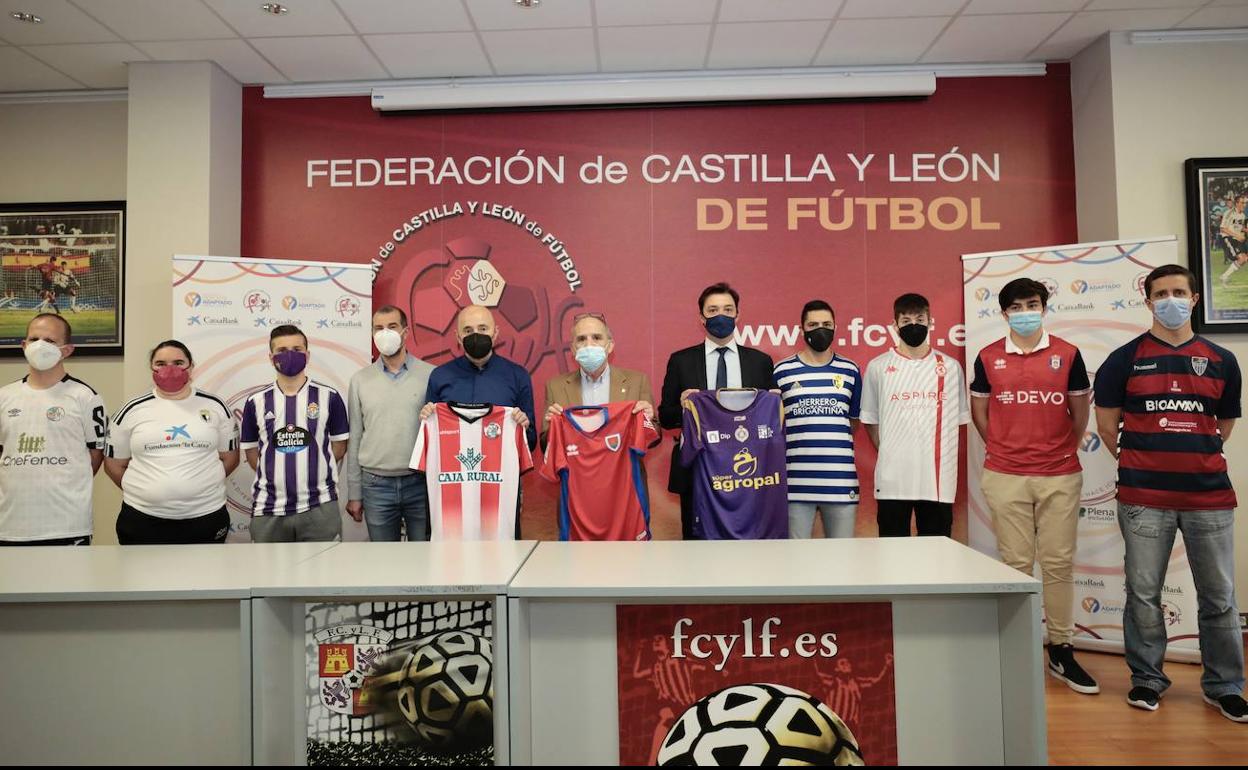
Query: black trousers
137, 528
933, 518
80, 540
687, 531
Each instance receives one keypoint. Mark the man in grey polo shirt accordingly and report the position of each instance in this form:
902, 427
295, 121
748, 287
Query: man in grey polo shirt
384, 401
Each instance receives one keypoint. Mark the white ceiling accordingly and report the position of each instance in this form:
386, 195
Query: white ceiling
87, 43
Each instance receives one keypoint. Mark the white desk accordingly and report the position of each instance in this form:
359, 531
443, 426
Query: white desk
967, 636
134, 654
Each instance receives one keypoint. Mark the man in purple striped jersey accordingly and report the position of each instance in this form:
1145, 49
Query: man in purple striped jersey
294, 433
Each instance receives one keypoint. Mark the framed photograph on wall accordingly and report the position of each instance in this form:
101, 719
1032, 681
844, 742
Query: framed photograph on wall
64, 258
1217, 196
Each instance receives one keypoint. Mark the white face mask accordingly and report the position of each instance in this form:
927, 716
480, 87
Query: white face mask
388, 341
42, 355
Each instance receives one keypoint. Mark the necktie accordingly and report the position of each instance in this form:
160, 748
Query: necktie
721, 371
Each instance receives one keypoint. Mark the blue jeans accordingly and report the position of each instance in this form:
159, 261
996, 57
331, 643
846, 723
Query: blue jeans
838, 519
394, 502
1207, 535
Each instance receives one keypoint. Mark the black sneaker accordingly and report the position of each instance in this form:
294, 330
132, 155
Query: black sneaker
1233, 707
1143, 698
1062, 666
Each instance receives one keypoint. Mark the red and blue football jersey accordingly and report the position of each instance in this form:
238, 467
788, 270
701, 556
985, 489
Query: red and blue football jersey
595, 452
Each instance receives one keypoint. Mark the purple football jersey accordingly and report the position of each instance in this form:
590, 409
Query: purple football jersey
733, 440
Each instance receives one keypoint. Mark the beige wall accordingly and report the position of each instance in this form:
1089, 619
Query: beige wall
1168, 102
69, 152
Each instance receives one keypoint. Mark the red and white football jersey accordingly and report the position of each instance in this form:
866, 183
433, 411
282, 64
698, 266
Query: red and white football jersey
472, 456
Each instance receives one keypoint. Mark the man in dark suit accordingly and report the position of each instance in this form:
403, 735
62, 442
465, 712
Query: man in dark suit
718, 362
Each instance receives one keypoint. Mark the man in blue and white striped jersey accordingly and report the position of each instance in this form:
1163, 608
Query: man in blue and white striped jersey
821, 393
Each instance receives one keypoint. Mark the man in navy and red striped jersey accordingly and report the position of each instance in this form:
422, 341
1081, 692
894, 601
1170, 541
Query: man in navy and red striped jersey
1165, 405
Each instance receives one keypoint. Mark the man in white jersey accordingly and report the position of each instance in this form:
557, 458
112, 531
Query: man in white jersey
52, 432
1231, 232
822, 392
913, 403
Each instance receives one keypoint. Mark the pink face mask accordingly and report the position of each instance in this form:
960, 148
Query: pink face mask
171, 379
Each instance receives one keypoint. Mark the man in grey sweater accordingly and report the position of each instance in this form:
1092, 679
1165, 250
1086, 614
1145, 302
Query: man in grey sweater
384, 402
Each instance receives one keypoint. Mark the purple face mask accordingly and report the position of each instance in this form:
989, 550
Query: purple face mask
290, 362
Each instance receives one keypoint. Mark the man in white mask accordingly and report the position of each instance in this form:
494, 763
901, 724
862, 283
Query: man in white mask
52, 433
384, 402
595, 381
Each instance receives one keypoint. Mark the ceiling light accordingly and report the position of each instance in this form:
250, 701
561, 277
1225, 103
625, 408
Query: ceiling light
528, 3
277, 9
29, 18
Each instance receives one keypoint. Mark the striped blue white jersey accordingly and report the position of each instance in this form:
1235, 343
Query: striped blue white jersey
819, 402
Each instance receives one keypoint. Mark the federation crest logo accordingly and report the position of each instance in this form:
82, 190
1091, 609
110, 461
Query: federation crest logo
613, 442
347, 306
256, 301
1199, 365
55, 413
469, 458
1171, 613
1051, 285
314, 410
493, 430
742, 434
347, 655
1055, 362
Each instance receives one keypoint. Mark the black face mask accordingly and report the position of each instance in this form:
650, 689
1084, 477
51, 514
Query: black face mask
913, 334
820, 339
478, 345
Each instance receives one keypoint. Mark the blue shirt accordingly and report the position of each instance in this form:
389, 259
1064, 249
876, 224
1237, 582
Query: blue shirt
499, 382
381, 364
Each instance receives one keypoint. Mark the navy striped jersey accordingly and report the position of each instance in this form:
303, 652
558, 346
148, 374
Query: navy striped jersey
1170, 450
819, 402
296, 470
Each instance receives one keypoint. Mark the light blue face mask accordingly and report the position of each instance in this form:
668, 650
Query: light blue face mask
591, 357
1172, 312
1024, 323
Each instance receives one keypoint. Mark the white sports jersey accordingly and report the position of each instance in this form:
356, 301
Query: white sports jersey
45, 462
472, 456
918, 405
175, 471
1233, 221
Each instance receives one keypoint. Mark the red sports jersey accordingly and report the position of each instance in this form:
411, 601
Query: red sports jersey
602, 493
473, 456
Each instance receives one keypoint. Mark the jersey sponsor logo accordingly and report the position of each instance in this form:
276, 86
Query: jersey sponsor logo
712, 437
55, 413
1174, 405
742, 434
613, 442
291, 439
917, 395
173, 431
15, 412
1055, 362
172, 434
818, 407
314, 410
1174, 387
1144, 367
493, 430
891, 369
765, 432
1199, 365
1171, 425
30, 449
572, 450
1031, 397
739, 418
470, 458
745, 469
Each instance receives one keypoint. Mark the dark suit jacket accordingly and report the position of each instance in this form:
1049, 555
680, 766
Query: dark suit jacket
686, 369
